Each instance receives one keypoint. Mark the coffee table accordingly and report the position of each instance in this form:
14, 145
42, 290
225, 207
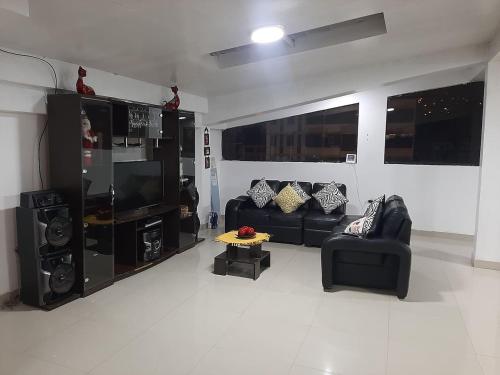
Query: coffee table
243, 251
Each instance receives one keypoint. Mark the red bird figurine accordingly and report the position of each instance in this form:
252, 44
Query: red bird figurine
173, 104
81, 87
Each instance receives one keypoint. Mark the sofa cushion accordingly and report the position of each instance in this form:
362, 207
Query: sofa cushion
301, 192
348, 219
254, 216
394, 216
321, 221
330, 198
280, 219
288, 200
373, 217
273, 184
356, 227
305, 186
261, 193
314, 204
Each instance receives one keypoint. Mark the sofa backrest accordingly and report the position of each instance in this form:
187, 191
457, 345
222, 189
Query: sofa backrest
306, 186
396, 222
314, 205
273, 184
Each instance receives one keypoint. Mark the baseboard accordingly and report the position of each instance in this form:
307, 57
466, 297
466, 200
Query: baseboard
487, 264
446, 235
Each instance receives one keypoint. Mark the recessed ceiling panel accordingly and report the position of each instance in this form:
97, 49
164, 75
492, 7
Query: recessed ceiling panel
330, 35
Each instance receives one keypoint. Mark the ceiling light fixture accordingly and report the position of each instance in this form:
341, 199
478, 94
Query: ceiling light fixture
182, 118
268, 34
390, 109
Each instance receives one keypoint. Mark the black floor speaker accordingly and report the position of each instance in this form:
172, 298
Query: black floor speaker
44, 232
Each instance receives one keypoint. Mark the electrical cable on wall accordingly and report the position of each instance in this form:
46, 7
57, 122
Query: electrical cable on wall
55, 92
36, 58
357, 186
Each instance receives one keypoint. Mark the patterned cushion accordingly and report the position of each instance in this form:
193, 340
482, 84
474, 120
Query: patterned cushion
373, 215
356, 227
302, 194
288, 199
330, 198
261, 193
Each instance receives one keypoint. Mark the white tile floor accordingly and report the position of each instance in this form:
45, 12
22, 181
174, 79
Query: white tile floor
179, 318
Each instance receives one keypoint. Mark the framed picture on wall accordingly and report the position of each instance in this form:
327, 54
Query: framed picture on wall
206, 137
206, 151
207, 162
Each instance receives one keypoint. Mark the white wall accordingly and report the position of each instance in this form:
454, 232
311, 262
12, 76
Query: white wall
487, 247
23, 87
439, 198
19, 134
315, 88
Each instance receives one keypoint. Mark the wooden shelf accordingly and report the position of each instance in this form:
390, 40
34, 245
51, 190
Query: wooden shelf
129, 216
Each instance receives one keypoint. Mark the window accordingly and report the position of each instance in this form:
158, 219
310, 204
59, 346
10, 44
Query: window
441, 126
323, 136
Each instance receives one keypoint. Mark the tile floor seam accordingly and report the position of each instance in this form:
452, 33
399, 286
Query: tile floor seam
141, 334
122, 347
444, 270
310, 326
44, 360
26, 350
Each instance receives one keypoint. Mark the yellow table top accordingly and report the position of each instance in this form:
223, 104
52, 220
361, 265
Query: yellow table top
230, 238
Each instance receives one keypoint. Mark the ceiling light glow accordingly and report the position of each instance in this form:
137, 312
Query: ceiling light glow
182, 118
268, 34
390, 109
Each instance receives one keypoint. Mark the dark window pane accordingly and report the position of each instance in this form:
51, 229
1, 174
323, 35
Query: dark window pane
441, 126
318, 136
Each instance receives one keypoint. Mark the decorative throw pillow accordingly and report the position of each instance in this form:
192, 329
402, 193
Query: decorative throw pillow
373, 216
288, 200
261, 193
356, 227
302, 194
330, 197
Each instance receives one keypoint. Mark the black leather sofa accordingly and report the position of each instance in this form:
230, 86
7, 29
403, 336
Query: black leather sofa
309, 224
382, 261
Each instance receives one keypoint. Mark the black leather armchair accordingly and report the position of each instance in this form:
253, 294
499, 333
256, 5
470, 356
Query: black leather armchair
382, 261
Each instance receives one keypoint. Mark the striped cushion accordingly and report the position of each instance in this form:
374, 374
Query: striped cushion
261, 193
302, 194
330, 198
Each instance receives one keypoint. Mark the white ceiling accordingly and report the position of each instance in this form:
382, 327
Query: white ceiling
166, 41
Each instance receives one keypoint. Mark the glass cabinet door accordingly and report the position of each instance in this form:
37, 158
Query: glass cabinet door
97, 179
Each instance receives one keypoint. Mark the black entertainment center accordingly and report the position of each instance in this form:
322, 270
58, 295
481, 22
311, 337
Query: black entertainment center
121, 184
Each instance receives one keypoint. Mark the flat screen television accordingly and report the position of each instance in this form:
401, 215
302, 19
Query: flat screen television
137, 184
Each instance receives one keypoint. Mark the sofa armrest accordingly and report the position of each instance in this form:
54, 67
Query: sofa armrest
232, 208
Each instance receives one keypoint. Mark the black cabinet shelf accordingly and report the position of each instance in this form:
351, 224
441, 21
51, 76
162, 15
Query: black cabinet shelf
129, 216
105, 243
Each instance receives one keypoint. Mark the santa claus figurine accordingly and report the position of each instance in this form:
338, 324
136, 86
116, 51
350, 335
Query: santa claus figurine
88, 140
81, 87
174, 103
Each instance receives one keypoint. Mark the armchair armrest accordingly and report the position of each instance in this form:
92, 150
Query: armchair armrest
342, 242
232, 208
376, 245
